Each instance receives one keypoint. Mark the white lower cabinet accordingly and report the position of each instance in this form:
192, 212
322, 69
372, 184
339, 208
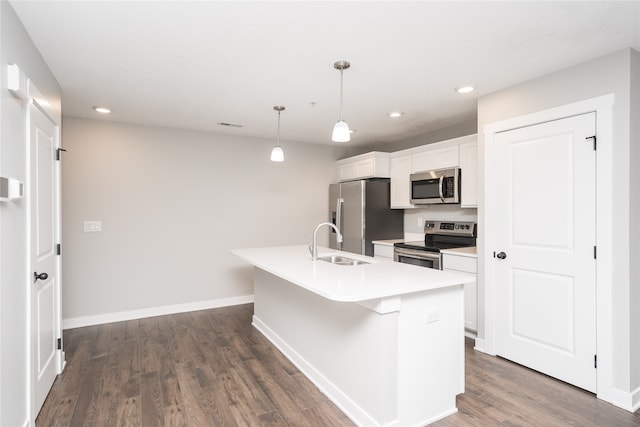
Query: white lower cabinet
382, 251
465, 265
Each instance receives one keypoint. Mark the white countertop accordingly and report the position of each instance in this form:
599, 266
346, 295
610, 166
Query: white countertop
468, 252
388, 242
352, 283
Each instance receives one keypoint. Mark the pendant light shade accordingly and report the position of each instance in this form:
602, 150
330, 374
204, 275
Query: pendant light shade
277, 155
341, 131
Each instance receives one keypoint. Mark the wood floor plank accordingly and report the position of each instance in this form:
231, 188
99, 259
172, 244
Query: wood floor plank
174, 413
212, 368
283, 401
151, 404
197, 405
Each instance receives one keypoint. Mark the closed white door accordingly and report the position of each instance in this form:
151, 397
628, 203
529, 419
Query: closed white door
45, 287
545, 238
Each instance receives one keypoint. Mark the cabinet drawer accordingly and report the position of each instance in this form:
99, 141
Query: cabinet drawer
459, 263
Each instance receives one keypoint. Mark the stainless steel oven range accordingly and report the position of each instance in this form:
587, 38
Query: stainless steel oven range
438, 235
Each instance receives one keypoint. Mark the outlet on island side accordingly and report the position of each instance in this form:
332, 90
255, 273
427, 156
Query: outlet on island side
431, 315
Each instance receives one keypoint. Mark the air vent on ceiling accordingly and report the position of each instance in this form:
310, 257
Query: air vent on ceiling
231, 125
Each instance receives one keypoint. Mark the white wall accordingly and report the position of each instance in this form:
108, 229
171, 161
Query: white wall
172, 204
16, 47
602, 76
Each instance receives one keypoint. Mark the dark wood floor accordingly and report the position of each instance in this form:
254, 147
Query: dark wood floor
212, 368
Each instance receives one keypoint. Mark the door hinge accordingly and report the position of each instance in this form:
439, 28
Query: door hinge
595, 361
58, 153
58, 249
59, 343
594, 139
595, 252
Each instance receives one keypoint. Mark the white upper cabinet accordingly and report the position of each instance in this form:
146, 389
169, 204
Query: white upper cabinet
437, 158
369, 165
469, 167
400, 185
459, 152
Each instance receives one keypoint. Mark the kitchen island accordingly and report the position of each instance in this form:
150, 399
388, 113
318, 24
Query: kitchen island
383, 340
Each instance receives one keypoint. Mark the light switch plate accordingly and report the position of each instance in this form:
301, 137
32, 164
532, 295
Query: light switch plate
92, 226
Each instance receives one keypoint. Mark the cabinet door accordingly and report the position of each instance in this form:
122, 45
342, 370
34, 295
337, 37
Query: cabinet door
382, 251
400, 185
469, 167
467, 266
438, 158
365, 168
347, 171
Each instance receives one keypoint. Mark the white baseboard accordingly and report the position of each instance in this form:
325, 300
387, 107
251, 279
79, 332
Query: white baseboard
635, 400
99, 319
479, 346
629, 401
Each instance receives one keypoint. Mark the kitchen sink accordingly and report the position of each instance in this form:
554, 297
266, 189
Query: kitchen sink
341, 260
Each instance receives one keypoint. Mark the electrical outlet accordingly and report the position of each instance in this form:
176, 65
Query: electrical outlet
420, 222
431, 315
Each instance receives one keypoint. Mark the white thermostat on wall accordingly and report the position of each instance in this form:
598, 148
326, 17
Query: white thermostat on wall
10, 189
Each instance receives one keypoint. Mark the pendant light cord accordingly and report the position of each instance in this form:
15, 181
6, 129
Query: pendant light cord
341, 90
278, 135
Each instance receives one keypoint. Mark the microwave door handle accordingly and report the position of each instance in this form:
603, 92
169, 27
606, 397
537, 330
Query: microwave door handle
440, 188
339, 205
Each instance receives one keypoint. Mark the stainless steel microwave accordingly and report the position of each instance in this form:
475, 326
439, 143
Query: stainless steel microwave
436, 187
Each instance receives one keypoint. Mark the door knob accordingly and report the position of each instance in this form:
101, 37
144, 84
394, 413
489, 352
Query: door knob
501, 255
41, 276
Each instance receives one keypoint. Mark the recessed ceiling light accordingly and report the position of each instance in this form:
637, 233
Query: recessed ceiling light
228, 124
103, 110
465, 89
395, 114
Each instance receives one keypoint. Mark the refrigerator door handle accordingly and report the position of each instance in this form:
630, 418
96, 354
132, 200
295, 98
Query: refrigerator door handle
339, 205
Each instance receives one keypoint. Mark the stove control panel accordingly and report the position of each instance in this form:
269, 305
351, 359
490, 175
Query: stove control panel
457, 228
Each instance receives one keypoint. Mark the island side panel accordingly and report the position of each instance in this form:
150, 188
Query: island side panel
431, 355
348, 351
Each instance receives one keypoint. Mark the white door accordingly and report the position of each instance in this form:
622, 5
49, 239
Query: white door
43, 194
545, 284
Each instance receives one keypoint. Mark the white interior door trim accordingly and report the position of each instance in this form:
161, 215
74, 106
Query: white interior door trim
603, 107
35, 97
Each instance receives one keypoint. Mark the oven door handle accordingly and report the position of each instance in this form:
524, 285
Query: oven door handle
440, 187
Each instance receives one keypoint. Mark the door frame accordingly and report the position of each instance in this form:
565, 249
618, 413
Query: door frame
37, 100
603, 107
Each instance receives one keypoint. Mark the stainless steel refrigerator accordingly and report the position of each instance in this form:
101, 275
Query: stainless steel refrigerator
362, 212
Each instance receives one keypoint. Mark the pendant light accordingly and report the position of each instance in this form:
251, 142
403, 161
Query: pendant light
341, 131
277, 155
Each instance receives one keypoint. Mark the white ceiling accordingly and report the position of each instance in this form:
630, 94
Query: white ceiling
191, 65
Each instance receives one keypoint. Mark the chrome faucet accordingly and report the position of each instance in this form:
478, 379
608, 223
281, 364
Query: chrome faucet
313, 247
